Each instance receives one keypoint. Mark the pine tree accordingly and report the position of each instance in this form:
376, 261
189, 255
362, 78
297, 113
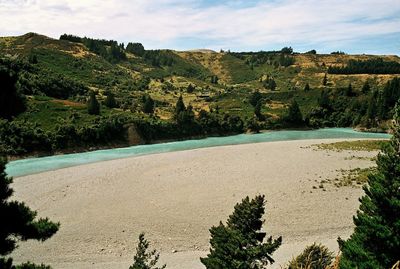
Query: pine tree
240, 243
255, 97
18, 222
375, 242
366, 88
179, 107
349, 90
257, 110
307, 88
145, 259
93, 104
148, 105
110, 100
325, 80
294, 114
12, 102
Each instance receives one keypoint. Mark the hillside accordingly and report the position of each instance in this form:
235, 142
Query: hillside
56, 76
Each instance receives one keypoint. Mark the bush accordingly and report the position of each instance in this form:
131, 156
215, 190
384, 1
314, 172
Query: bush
313, 257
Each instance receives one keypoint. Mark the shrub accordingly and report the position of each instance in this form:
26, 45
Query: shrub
315, 256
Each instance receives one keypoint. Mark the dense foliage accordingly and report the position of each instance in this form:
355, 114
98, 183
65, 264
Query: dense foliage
375, 242
18, 222
12, 102
372, 66
239, 243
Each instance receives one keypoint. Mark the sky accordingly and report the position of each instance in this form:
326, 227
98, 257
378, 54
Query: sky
352, 26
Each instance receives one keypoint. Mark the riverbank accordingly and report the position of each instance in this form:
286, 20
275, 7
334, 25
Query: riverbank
176, 197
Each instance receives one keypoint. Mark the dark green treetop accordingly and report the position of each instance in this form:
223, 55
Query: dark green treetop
18, 221
240, 243
375, 242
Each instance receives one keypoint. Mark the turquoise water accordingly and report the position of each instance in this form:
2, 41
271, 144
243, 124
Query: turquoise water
36, 165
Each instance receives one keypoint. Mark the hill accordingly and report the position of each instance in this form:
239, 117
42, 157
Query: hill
56, 76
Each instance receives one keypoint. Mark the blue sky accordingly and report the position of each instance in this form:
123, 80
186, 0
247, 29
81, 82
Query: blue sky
353, 26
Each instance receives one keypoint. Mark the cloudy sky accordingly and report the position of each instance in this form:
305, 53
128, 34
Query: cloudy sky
353, 26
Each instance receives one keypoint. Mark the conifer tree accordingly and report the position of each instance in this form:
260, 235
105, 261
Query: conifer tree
179, 107
307, 88
148, 105
145, 259
239, 243
110, 100
375, 242
325, 80
366, 88
93, 104
18, 222
294, 115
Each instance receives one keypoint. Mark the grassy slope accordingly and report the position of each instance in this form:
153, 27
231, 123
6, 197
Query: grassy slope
236, 79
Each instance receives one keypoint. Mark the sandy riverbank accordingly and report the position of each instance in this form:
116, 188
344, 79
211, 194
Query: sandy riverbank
176, 197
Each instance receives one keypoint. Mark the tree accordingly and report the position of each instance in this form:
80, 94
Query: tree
190, 88
143, 258
366, 88
179, 107
93, 105
294, 114
148, 104
325, 80
110, 100
375, 242
135, 48
324, 100
257, 110
307, 88
12, 102
255, 97
18, 221
349, 90
239, 243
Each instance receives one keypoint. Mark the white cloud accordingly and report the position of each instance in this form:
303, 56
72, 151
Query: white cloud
160, 23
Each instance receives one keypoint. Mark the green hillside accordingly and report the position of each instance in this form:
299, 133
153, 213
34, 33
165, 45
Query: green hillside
55, 77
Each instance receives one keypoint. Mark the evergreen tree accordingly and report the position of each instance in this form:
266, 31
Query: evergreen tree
255, 97
294, 115
257, 110
307, 88
110, 100
324, 100
375, 242
18, 222
93, 105
179, 107
366, 88
148, 104
349, 90
12, 102
190, 88
145, 259
325, 80
240, 243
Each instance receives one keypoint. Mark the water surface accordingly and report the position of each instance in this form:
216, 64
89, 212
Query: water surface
41, 164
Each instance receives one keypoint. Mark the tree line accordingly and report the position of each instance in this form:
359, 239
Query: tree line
370, 66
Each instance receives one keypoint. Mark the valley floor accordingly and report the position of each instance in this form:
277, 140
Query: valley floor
176, 197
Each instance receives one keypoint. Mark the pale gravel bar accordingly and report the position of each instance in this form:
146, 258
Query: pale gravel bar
176, 197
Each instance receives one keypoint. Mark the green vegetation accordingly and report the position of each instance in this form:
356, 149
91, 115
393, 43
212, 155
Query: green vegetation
313, 257
372, 66
50, 82
239, 243
19, 223
359, 145
145, 259
376, 238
